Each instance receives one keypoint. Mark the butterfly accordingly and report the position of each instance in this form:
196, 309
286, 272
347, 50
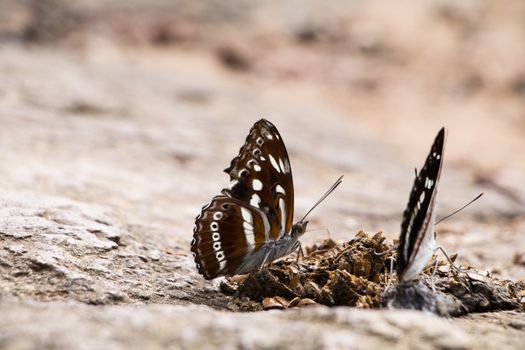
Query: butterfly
251, 222
417, 241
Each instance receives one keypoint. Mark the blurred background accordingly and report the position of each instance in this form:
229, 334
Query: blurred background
139, 105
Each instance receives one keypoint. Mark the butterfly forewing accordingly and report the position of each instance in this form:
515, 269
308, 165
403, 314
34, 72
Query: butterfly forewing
416, 243
261, 176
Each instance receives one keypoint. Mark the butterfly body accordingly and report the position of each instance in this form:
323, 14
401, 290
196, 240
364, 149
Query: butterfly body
251, 223
268, 252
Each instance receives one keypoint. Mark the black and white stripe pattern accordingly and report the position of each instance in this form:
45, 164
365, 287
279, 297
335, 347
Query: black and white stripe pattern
417, 241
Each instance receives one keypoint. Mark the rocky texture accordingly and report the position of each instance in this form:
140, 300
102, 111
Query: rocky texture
65, 325
56, 249
116, 120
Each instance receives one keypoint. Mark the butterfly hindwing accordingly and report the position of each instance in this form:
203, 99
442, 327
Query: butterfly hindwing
417, 243
226, 232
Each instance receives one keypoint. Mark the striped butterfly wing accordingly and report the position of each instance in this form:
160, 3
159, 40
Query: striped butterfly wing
417, 242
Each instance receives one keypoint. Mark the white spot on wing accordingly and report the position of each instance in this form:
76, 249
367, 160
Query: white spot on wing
257, 184
422, 197
246, 215
248, 233
257, 167
274, 164
282, 207
255, 200
222, 265
281, 165
280, 189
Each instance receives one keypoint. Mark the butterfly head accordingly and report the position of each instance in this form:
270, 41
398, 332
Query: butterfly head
299, 229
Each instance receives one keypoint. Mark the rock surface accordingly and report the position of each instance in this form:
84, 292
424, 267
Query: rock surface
64, 325
116, 122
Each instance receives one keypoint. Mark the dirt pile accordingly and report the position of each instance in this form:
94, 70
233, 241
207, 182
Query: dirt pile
357, 273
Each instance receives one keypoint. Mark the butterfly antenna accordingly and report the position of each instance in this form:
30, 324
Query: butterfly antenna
330, 190
460, 209
415, 171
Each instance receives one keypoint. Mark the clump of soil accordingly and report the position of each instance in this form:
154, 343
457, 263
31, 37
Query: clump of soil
358, 273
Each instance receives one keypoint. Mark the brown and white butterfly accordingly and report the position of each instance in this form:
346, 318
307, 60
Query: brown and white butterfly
251, 222
417, 241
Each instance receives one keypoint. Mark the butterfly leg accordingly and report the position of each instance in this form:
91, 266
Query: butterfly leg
266, 256
390, 272
433, 285
455, 270
300, 253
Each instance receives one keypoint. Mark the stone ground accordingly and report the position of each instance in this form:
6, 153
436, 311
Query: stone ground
118, 119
